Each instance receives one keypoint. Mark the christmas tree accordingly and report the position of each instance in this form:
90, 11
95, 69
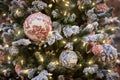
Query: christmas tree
58, 40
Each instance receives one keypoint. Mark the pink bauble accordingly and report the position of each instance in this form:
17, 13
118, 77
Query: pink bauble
37, 26
97, 49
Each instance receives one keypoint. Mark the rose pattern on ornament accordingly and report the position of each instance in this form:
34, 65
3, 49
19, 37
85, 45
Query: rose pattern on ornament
37, 26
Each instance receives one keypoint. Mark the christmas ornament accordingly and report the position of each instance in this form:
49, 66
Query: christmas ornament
68, 59
37, 26
109, 53
97, 49
42, 76
102, 7
18, 68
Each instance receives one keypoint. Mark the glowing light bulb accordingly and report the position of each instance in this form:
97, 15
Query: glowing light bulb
90, 62
22, 61
117, 61
75, 39
50, 5
109, 71
6, 45
64, 42
9, 58
80, 65
93, 3
84, 44
65, 13
82, 7
19, 32
112, 29
4, 14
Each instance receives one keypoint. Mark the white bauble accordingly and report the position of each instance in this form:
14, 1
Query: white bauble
68, 58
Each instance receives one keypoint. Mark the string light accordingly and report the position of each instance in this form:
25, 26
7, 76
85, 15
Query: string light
56, 62
82, 7
102, 31
65, 13
6, 45
9, 58
4, 71
112, 29
80, 65
75, 39
93, 3
19, 32
109, 71
50, 5
104, 41
117, 61
64, 42
4, 14
90, 62
84, 44
22, 61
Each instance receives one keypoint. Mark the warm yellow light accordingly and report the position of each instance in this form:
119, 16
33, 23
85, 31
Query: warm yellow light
84, 44
4, 14
65, 13
86, 74
102, 31
104, 41
26, 71
6, 45
66, 4
4, 71
22, 61
90, 62
80, 65
56, 62
19, 32
117, 61
93, 3
112, 29
9, 58
64, 42
109, 71
41, 58
50, 5
53, 0
75, 39
82, 7
63, 0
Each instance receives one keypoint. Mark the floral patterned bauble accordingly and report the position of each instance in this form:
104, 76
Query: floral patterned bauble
68, 58
109, 53
102, 7
37, 26
97, 49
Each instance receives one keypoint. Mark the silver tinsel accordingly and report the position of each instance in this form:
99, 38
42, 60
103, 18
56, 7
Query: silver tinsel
42, 76
91, 15
53, 37
91, 70
70, 30
91, 27
94, 37
21, 42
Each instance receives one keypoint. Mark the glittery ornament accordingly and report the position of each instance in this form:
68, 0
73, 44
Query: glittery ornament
109, 53
37, 26
97, 49
68, 59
